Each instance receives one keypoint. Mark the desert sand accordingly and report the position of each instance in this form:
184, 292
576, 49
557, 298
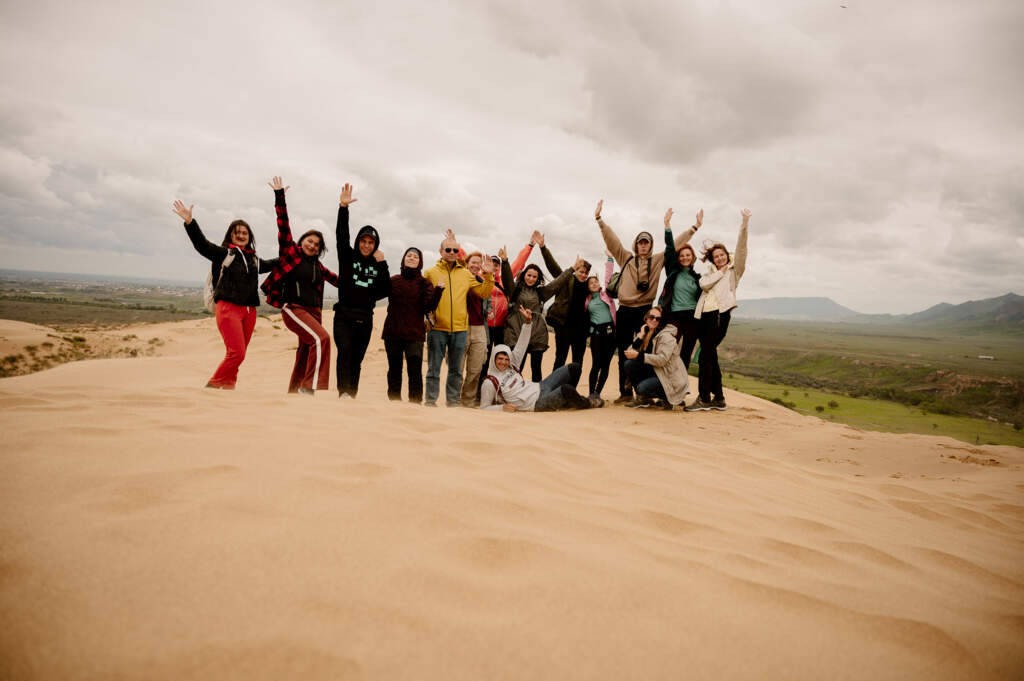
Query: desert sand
150, 529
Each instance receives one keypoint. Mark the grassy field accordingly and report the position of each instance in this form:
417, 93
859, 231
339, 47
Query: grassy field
873, 414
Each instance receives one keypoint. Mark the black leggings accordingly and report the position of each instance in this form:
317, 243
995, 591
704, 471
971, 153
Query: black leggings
713, 327
536, 356
602, 349
412, 353
687, 325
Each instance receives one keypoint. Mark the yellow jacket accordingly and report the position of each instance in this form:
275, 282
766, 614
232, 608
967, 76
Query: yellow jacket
451, 314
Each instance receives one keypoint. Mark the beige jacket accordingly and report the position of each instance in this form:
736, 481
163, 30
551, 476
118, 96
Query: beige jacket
639, 269
668, 367
723, 282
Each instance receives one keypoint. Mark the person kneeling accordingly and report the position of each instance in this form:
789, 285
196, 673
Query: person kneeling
506, 389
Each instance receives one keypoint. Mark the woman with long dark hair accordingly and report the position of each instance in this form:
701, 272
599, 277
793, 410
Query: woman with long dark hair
713, 311
682, 288
296, 285
600, 310
653, 363
235, 270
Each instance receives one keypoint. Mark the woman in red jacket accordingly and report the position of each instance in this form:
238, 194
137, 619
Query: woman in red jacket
412, 297
296, 285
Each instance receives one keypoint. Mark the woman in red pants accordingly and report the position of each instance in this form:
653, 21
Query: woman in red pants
296, 285
235, 268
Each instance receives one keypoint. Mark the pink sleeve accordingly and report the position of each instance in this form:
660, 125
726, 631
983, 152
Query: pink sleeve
609, 267
520, 262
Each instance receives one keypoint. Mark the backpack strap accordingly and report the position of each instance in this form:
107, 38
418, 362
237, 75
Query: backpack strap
497, 387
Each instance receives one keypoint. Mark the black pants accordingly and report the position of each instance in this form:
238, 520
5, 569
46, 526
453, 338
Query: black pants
412, 353
602, 349
536, 356
713, 327
688, 332
628, 321
352, 329
571, 335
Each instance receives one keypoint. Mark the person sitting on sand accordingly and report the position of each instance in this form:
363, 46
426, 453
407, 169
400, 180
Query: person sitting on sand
713, 311
412, 297
654, 366
506, 389
235, 289
363, 279
600, 310
296, 285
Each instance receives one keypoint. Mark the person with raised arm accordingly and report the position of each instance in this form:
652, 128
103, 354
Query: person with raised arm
713, 311
567, 314
363, 279
475, 356
682, 288
412, 297
447, 339
529, 291
654, 365
505, 388
638, 286
296, 285
600, 310
497, 315
235, 270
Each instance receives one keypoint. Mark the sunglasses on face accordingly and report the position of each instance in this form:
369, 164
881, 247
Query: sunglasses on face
654, 317
451, 250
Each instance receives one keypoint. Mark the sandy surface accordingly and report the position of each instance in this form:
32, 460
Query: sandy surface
150, 529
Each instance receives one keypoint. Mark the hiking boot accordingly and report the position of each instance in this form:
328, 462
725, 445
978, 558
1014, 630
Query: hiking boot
667, 406
639, 403
698, 405
718, 404
305, 391
595, 401
212, 386
345, 396
622, 399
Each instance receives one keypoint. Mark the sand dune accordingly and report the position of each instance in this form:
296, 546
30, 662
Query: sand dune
154, 530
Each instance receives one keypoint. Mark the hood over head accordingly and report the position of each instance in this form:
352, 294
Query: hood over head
369, 230
643, 235
493, 370
412, 271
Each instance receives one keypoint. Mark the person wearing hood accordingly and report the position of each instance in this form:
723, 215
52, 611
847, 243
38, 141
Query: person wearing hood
235, 289
505, 388
638, 286
714, 309
412, 297
363, 280
296, 285
529, 291
654, 365
567, 315
447, 338
682, 288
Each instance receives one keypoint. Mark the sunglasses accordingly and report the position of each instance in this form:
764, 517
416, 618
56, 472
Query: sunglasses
451, 250
654, 317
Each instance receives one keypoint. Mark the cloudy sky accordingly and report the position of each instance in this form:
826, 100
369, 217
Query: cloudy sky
879, 146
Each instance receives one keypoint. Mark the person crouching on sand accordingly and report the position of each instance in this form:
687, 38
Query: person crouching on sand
714, 308
296, 285
655, 369
506, 389
235, 268
412, 297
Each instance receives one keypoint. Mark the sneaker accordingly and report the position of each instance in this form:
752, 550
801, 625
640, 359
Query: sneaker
698, 405
639, 403
345, 396
306, 391
718, 403
667, 406
622, 399
430, 404
211, 386
595, 401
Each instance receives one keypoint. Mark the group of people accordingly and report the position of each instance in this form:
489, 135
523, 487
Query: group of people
483, 315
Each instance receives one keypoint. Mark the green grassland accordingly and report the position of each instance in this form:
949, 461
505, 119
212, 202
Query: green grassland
68, 313
874, 414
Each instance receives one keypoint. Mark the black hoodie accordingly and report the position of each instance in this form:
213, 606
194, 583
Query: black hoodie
362, 281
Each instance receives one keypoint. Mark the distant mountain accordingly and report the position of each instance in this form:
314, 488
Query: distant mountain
794, 309
1004, 309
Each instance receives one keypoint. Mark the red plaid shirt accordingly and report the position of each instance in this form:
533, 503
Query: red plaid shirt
290, 255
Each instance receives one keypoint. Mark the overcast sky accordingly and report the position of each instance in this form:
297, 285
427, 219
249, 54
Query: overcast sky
879, 146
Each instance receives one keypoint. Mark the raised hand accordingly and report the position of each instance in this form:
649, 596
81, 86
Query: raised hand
449, 234
597, 211
377, 255
502, 254
277, 184
746, 215
579, 264
537, 238
527, 314
700, 219
487, 266
182, 212
668, 218
346, 196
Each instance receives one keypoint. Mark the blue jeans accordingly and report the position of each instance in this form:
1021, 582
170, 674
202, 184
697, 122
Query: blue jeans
440, 343
558, 390
645, 381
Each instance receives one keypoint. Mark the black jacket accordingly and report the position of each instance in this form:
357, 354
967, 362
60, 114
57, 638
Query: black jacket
570, 298
241, 278
362, 281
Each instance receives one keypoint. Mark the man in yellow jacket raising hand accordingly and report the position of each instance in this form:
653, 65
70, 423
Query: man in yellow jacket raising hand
451, 319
